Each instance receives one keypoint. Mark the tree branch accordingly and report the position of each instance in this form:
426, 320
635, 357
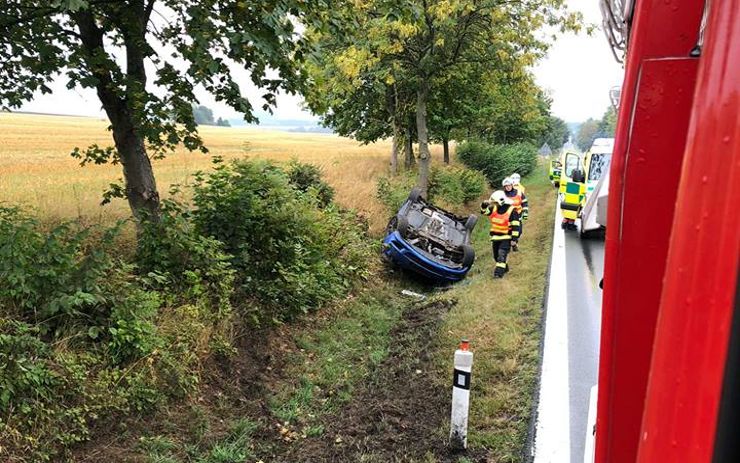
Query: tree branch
148, 10
92, 45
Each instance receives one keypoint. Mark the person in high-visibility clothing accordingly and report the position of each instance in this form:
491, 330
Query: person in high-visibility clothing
505, 228
571, 199
518, 200
517, 179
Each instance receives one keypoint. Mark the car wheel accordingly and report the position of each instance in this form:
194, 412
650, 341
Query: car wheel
470, 223
415, 194
468, 255
402, 225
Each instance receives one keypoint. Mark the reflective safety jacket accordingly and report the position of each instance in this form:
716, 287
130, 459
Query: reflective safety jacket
519, 200
519, 187
505, 223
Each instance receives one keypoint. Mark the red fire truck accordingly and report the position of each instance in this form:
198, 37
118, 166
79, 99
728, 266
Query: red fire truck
669, 371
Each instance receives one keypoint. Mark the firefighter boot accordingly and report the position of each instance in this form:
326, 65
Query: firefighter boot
500, 270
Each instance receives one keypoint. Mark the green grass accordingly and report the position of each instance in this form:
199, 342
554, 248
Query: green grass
502, 319
235, 447
333, 356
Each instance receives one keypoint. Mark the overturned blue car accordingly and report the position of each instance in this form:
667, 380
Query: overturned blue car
430, 241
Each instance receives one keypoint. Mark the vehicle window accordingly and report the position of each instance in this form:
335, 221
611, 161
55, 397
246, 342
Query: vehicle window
599, 165
571, 164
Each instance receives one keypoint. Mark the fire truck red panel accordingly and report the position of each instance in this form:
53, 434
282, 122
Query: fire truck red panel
653, 166
696, 310
653, 117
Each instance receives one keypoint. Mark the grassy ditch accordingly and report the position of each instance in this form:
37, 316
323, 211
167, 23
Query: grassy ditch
368, 380
502, 319
305, 372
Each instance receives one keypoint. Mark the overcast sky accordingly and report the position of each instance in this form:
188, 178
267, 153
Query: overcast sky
578, 72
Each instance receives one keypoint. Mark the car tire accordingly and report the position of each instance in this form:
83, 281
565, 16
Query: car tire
468, 255
415, 194
402, 225
470, 223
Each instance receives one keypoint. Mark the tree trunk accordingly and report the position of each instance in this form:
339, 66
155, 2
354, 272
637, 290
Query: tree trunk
141, 188
396, 144
446, 148
423, 136
392, 105
409, 159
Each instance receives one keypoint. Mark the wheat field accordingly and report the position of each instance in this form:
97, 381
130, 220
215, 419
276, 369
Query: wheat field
37, 171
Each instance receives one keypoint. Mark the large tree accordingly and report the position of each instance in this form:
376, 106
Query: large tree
513, 107
144, 58
454, 104
359, 98
608, 123
556, 134
593, 129
421, 43
587, 133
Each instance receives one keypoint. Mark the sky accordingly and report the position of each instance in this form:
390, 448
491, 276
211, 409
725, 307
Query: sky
578, 73
580, 69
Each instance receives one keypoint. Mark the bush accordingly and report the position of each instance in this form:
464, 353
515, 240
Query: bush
62, 281
24, 373
448, 187
393, 191
290, 255
455, 185
498, 161
191, 267
306, 178
75, 320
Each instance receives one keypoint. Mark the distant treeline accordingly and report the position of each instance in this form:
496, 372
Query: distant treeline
204, 116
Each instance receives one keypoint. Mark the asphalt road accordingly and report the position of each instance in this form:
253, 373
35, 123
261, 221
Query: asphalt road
571, 350
584, 260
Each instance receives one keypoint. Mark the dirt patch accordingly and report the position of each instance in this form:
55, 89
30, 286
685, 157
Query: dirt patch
397, 415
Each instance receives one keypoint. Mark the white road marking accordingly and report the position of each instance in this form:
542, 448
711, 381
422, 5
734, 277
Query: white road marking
552, 432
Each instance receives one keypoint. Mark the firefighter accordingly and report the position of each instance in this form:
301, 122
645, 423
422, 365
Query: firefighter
517, 179
517, 199
505, 227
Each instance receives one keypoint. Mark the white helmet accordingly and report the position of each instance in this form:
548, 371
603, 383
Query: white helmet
507, 181
516, 178
498, 197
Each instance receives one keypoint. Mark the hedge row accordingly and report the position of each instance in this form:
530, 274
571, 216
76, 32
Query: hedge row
449, 187
498, 161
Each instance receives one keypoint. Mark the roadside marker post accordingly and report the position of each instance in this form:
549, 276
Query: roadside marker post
461, 396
